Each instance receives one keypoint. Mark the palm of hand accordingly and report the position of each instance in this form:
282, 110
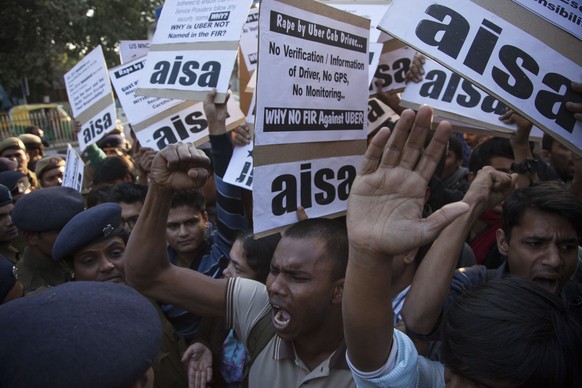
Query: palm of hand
385, 209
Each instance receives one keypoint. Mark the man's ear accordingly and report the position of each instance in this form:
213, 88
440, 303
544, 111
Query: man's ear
502, 243
31, 238
338, 291
205, 218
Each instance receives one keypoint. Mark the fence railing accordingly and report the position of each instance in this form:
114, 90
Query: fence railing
58, 130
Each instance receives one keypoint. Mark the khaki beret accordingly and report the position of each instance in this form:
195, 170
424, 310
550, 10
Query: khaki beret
48, 163
11, 142
31, 140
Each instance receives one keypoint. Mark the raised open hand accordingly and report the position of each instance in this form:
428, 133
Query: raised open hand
387, 197
198, 361
179, 167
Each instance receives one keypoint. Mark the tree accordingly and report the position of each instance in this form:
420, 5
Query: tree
41, 39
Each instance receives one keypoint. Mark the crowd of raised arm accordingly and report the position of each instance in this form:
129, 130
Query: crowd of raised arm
458, 264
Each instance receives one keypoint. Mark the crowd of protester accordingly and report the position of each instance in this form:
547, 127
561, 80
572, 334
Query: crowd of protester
458, 263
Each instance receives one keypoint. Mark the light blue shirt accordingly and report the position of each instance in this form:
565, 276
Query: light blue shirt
404, 369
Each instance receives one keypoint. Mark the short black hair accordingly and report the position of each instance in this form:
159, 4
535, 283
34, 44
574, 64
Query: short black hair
99, 194
456, 146
129, 192
513, 330
550, 196
110, 169
193, 199
332, 233
259, 252
482, 154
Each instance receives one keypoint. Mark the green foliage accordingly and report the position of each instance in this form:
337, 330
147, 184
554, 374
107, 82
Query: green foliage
40, 39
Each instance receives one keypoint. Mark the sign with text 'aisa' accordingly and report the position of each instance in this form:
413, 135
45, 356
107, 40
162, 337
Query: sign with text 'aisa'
517, 67
91, 97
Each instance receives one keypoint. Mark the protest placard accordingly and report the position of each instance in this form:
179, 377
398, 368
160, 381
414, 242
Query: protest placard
321, 186
137, 108
379, 113
312, 75
240, 167
91, 97
130, 50
566, 14
249, 40
182, 123
194, 49
158, 122
516, 56
300, 168
391, 71
453, 97
374, 52
369, 9
535, 134
74, 170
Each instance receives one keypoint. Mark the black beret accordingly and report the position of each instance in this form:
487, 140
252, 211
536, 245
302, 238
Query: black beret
111, 141
78, 334
7, 164
89, 225
7, 277
47, 209
5, 196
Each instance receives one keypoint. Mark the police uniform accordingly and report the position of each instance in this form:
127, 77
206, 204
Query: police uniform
8, 277
96, 224
7, 248
16, 143
44, 211
47, 164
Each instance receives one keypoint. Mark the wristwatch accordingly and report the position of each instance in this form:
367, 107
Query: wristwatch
527, 167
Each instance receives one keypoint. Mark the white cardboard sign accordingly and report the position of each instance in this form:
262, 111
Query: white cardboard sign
321, 186
91, 97
249, 40
529, 76
74, 170
194, 49
240, 169
320, 68
453, 97
183, 123
566, 14
133, 49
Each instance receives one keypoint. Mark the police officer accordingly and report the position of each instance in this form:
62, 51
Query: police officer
13, 148
39, 216
92, 245
8, 231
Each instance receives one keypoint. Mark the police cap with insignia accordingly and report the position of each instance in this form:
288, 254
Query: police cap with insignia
111, 141
78, 334
47, 209
48, 163
91, 225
